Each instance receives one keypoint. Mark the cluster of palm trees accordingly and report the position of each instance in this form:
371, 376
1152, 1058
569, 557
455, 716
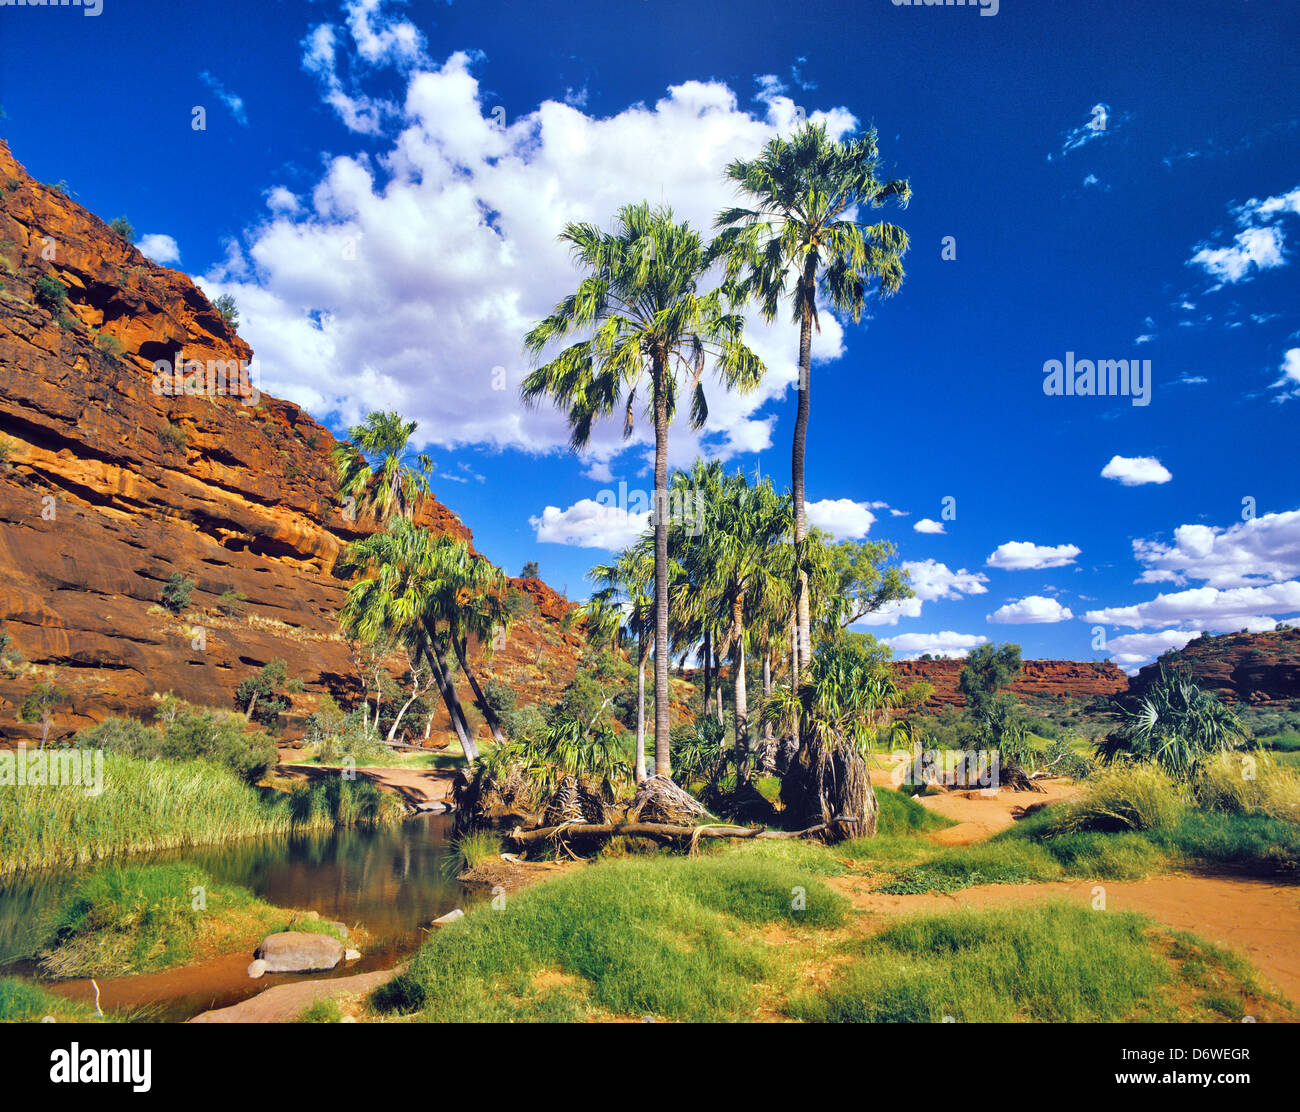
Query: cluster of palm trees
422, 590
733, 599
651, 329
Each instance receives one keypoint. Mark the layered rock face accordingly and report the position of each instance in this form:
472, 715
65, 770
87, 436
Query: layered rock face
1043, 678
1257, 668
108, 486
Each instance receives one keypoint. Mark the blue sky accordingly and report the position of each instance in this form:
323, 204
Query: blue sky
380, 186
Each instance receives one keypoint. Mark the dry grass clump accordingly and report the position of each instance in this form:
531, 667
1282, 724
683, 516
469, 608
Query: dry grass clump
1124, 797
1244, 784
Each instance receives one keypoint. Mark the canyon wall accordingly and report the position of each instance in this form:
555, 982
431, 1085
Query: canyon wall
107, 487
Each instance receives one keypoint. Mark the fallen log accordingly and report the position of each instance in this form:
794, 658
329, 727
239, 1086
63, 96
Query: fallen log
659, 830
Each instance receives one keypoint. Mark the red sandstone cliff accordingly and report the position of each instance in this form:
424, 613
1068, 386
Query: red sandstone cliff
1240, 667
107, 488
1050, 678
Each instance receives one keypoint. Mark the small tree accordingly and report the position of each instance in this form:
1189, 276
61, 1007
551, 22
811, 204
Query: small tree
122, 226
260, 696
988, 669
225, 305
176, 593
40, 704
529, 570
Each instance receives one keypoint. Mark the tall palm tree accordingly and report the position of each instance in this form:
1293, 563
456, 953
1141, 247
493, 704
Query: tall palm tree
624, 605
647, 320
392, 486
800, 237
730, 562
468, 599
402, 596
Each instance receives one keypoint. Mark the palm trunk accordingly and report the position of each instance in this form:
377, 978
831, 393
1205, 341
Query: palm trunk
643, 647
489, 715
740, 695
767, 692
797, 458
663, 766
708, 676
794, 676
438, 663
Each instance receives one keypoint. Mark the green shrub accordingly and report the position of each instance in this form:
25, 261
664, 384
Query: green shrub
232, 602
23, 1001
51, 294
109, 345
229, 311
122, 226
173, 436
218, 736
176, 593
326, 1010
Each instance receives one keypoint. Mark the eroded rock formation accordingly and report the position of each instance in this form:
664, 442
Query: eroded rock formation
107, 487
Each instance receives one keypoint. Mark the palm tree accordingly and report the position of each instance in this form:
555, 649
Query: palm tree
647, 320
393, 486
801, 237
400, 598
469, 601
731, 561
625, 605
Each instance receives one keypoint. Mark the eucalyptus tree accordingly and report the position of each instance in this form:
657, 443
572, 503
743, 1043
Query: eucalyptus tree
392, 485
801, 236
651, 332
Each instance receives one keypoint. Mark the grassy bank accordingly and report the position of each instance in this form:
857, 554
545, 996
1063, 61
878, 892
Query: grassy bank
24, 1001
166, 804
1048, 963
1129, 823
121, 921
754, 931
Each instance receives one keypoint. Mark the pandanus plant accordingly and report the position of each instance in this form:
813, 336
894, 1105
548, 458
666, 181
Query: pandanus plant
1175, 725
840, 709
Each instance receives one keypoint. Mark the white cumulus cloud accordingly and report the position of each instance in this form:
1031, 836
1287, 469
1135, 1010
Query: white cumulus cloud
843, 518
1132, 650
1136, 470
1221, 610
928, 525
1265, 549
1027, 556
162, 249
1030, 610
412, 271
590, 524
908, 646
